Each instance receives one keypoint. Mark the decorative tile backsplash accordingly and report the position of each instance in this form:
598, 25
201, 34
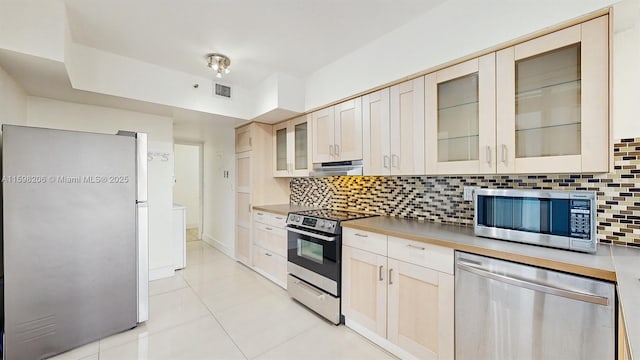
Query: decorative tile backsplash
439, 198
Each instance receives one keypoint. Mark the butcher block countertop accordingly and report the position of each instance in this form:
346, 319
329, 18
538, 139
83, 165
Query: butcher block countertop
613, 263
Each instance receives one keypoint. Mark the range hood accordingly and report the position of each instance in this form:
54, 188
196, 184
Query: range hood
337, 168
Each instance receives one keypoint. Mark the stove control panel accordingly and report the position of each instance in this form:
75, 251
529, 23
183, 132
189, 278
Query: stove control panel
323, 225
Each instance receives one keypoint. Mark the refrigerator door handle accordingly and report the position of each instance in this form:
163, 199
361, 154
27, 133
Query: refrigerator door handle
142, 210
141, 167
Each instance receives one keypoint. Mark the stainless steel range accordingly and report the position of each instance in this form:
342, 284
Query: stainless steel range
314, 258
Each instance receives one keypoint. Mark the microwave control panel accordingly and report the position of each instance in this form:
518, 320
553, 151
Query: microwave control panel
580, 219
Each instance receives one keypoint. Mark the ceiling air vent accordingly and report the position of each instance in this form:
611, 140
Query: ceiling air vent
222, 90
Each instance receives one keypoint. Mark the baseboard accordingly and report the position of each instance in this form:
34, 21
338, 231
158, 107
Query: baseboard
161, 273
225, 249
379, 340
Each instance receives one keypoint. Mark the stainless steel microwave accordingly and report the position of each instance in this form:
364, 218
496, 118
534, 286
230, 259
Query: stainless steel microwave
560, 219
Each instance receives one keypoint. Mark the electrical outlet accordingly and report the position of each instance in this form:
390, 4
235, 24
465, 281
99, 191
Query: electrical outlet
469, 191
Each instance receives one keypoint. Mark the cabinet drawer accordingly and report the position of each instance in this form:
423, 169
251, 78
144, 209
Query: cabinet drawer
365, 240
271, 238
271, 265
414, 252
276, 220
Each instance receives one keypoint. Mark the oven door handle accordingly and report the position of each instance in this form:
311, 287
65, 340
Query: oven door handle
314, 235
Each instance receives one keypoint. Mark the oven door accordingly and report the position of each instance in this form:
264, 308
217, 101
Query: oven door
315, 258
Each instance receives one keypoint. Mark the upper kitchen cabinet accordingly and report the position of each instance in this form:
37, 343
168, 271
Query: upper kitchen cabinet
337, 132
393, 128
243, 139
460, 118
552, 98
291, 140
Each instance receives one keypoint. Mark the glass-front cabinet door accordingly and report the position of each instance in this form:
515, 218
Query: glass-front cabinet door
300, 139
552, 102
460, 118
281, 150
291, 148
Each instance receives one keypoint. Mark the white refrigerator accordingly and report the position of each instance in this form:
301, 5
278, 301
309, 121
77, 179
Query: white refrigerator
74, 238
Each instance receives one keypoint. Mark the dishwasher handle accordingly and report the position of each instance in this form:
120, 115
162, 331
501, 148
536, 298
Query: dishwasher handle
535, 286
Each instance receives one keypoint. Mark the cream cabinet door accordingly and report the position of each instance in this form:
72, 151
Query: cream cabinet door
376, 155
364, 289
552, 102
300, 142
420, 310
243, 139
243, 207
348, 130
460, 118
407, 128
282, 151
323, 128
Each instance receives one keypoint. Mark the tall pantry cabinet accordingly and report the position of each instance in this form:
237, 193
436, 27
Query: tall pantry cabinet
255, 184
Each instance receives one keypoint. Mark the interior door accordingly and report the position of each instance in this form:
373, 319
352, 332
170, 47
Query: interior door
243, 207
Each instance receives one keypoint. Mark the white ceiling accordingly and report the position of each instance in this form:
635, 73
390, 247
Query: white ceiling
261, 37
295, 37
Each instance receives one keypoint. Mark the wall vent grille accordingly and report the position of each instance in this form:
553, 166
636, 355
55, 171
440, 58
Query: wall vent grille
222, 90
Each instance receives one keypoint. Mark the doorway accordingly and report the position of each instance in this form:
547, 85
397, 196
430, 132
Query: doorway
187, 190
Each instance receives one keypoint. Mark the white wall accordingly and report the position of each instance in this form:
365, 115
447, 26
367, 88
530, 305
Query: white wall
219, 192
452, 30
33, 27
13, 101
71, 116
186, 190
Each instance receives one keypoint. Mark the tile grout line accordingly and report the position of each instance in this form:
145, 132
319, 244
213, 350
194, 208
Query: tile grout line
213, 315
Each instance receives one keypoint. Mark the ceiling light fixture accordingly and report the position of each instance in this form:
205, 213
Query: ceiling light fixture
219, 63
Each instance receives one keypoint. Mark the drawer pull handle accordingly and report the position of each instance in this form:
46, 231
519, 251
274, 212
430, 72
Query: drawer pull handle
415, 247
268, 228
390, 280
260, 214
380, 273
267, 254
279, 218
361, 235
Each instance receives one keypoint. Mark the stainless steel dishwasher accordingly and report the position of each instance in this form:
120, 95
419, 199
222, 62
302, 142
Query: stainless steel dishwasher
506, 310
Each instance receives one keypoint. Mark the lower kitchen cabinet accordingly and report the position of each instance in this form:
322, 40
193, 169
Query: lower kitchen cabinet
364, 289
400, 295
420, 310
270, 247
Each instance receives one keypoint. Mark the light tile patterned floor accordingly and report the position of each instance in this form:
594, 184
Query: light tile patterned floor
219, 309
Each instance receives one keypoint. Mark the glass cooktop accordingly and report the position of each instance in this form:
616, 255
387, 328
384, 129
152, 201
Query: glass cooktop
335, 214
